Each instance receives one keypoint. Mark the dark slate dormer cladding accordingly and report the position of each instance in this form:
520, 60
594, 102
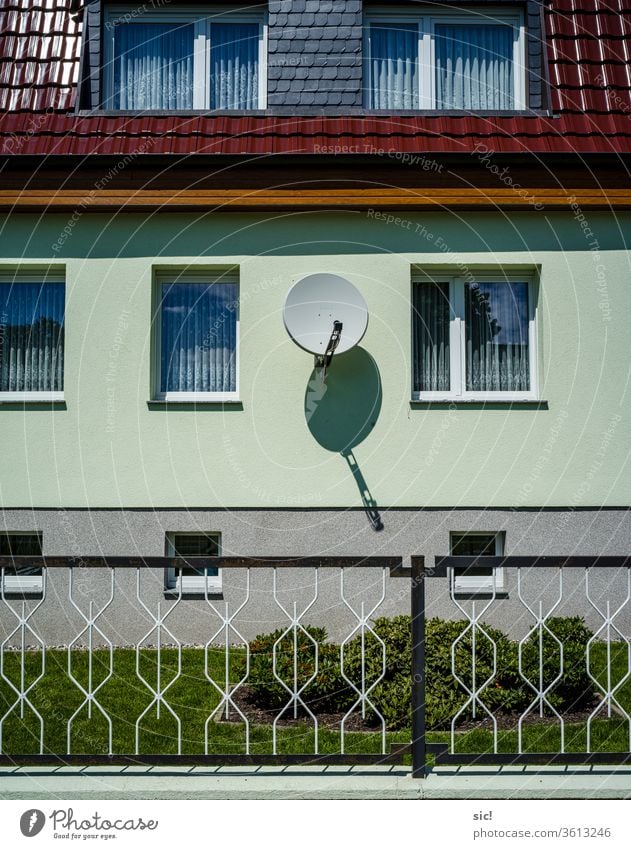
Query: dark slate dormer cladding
315, 54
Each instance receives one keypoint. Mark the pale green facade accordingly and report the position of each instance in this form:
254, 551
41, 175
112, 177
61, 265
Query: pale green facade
109, 448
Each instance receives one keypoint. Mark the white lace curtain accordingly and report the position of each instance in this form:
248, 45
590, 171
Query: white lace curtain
31, 337
497, 345
154, 68
198, 337
234, 54
474, 66
431, 337
394, 66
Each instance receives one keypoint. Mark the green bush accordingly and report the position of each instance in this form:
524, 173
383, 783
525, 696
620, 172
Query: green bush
506, 691
322, 695
393, 694
575, 689
444, 695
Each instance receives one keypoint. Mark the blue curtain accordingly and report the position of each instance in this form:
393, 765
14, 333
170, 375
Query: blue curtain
394, 66
234, 58
32, 337
496, 330
474, 66
199, 337
153, 66
431, 337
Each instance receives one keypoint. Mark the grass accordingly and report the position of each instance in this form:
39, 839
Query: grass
606, 734
124, 698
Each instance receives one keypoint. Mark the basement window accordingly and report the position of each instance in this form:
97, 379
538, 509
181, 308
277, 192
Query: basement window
477, 579
19, 580
193, 581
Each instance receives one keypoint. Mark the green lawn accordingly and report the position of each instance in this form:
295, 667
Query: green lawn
124, 697
607, 735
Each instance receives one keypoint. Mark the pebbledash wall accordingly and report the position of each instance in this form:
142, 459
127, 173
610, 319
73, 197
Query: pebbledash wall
109, 473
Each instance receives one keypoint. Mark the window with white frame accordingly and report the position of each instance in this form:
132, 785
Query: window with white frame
31, 336
193, 545
184, 59
196, 337
477, 579
474, 339
446, 59
21, 579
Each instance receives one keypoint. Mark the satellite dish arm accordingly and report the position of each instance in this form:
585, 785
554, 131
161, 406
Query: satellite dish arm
324, 361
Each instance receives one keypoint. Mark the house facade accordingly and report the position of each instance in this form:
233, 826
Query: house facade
170, 170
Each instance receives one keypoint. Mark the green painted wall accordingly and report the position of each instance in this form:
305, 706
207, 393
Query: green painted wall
109, 448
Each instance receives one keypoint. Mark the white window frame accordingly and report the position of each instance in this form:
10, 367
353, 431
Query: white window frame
210, 584
17, 278
471, 584
203, 19
457, 338
201, 276
426, 22
21, 584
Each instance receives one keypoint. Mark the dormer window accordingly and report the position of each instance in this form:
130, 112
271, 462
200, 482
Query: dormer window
173, 61
453, 61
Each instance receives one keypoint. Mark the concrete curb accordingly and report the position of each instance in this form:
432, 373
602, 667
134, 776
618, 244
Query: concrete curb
315, 783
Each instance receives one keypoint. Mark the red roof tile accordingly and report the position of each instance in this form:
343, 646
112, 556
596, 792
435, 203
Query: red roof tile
589, 50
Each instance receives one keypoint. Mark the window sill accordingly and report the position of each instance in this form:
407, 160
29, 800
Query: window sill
475, 595
173, 594
35, 400
26, 593
308, 111
193, 403
479, 403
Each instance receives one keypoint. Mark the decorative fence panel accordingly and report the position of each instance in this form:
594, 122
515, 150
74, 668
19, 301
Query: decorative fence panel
93, 701
139, 693
570, 693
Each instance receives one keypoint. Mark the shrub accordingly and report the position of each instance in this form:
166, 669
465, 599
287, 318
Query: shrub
445, 696
393, 694
322, 695
575, 689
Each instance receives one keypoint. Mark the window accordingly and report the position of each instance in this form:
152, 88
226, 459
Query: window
179, 61
193, 545
474, 339
471, 61
31, 337
477, 579
21, 579
197, 338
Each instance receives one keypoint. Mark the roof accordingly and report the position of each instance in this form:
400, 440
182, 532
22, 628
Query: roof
589, 51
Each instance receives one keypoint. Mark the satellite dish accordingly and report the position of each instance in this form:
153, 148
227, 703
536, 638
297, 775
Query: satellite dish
325, 314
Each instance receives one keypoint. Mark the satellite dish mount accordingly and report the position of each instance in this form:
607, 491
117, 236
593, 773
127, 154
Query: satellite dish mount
323, 361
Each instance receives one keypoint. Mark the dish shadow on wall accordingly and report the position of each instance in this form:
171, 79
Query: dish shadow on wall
342, 412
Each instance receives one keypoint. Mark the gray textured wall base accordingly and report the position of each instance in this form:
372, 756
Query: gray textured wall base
312, 532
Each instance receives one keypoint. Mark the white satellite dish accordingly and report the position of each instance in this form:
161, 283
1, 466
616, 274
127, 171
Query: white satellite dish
325, 314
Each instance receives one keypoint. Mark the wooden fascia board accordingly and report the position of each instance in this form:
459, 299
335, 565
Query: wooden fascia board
91, 200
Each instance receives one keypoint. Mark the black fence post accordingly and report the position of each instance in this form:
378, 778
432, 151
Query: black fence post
418, 667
